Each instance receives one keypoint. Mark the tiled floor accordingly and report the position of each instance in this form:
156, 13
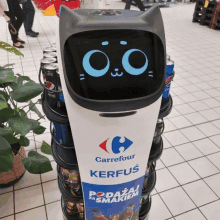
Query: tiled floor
188, 173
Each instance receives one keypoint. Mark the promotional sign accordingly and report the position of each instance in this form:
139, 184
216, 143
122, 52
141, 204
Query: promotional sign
52, 7
112, 154
112, 71
113, 200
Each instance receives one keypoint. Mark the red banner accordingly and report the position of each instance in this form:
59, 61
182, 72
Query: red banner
44, 4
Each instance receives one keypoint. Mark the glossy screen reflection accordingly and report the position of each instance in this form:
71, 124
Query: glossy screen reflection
114, 64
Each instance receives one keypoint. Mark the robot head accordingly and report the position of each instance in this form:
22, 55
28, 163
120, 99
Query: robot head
113, 64
113, 57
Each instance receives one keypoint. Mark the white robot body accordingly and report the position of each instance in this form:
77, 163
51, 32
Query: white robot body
112, 150
90, 130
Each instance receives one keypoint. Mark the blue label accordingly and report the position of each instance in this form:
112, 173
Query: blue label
61, 97
113, 200
166, 91
58, 133
63, 134
169, 70
169, 73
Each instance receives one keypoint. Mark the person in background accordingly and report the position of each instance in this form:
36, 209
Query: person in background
14, 16
138, 3
4, 8
29, 12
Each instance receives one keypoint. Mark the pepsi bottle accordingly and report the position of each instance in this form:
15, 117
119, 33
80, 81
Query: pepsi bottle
169, 77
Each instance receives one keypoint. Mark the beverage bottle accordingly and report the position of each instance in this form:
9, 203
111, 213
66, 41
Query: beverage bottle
169, 77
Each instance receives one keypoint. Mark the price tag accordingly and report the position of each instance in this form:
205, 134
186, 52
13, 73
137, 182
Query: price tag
206, 3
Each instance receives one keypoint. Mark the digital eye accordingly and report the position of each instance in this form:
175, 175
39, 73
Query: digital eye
96, 63
135, 61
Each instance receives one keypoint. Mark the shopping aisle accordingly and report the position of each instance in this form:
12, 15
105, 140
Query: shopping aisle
188, 173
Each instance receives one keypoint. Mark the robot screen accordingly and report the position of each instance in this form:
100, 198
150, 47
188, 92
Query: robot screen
114, 64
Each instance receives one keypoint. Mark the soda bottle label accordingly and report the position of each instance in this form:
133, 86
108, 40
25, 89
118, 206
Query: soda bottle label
44, 78
50, 85
70, 205
61, 97
169, 67
73, 178
166, 91
169, 77
168, 80
80, 207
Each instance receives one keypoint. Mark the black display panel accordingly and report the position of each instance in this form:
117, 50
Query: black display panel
114, 64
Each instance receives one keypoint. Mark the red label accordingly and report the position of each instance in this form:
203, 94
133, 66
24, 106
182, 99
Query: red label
103, 145
50, 85
168, 80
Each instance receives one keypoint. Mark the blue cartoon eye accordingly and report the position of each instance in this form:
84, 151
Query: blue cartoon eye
96, 63
135, 62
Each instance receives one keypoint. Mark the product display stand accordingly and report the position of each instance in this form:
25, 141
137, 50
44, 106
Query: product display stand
215, 23
67, 166
72, 202
62, 146
198, 10
85, 192
157, 145
207, 13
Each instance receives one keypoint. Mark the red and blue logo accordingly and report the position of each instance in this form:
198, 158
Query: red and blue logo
99, 194
117, 145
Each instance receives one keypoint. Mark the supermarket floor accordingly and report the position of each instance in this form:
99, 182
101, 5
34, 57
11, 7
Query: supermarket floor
188, 173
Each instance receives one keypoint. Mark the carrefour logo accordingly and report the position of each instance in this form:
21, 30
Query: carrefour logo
118, 145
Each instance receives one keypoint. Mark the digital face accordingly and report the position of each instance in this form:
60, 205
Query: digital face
113, 64
94, 59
